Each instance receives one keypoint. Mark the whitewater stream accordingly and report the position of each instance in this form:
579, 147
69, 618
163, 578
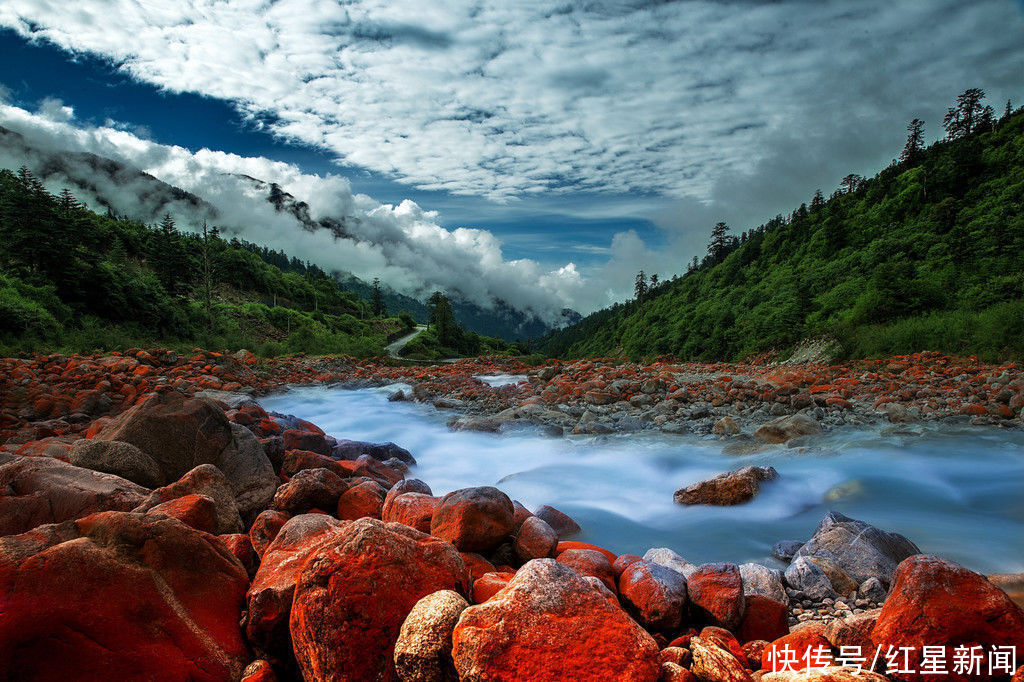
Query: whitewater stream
956, 491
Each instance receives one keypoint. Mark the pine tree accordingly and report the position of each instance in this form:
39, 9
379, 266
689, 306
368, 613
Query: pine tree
376, 300
718, 245
640, 286
817, 201
965, 117
443, 319
851, 183
915, 141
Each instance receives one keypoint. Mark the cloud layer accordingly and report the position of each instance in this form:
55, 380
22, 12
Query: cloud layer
504, 99
403, 244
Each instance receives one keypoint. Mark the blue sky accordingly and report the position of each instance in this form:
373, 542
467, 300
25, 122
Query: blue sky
578, 141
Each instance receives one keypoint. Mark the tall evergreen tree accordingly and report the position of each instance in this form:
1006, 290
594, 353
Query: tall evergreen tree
443, 319
915, 141
718, 245
640, 286
964, 118
377, 300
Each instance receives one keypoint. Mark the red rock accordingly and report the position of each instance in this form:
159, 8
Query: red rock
550, 624
590, 562
716, 593
197, 511
519, 514
560, 522
475, 564
265, 528
365, 499
654, 595
295, 439
764, 618
673, 672
724, 639
803, 648
241, 548
567, 545
259, 671
713, 662
473, 519
753, 651
310, 489
120, 596
675, 654
38, 490
412, 509
352, 598
935, 602
270, 595
206, 480
622, 562
535, 540
489, 584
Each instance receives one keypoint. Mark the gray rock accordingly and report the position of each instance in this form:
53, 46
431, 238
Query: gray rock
873, 590
786, 428
809, 581
423, 651
786, 549
663, 556
767, 582
861, 550
249, 471
121, 459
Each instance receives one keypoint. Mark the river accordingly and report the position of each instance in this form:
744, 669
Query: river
955, 491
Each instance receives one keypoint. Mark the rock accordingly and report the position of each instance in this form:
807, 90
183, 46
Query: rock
38, 490
656, 596
858, 548
406, 485
673, 672
489, 584
354, 594
265, 528
872, 590
716, 594
935, 602
1010, 583
178, 433
249, 471
207, 480
786, 550
763, 619
241, 548
364, 499
724, 639
767, 582
731, 488
303, 439
829, 674
272, 589
726, 426
120, 596
853, 631
786, 428
196, 511
423, 652
570, 544
259, 671
663, 556
712, 663
803, 648
560, 522
382, 452
415, 510
589, 562
473, 519
476, 564
810, 582
549, 623
535, 540
310, 489
840, 581
753, 650
120, 459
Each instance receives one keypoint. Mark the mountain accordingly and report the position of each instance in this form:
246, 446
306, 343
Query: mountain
121, 189
926, 255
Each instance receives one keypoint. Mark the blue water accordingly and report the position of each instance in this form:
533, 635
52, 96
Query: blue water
955, 491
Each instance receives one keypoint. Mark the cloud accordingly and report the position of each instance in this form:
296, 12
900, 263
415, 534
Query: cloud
512, 99
402, 244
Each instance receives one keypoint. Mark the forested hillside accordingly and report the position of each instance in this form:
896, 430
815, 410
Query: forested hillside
927, 255
74, 279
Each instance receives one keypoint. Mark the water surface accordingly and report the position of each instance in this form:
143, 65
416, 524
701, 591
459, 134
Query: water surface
956, 491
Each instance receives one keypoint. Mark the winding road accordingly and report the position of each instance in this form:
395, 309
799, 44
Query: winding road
394, 347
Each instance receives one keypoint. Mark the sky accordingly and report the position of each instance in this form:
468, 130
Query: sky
541, 152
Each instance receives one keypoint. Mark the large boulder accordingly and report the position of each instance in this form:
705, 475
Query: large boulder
245, 463
859, 549
562, 523
716, 595
711, 661
310, 489
423, 652
473, 519
937, 603
764, 581
535, 540
590, 562
656, 596
551, 624
206, 480
120, 596
415, 510
354, 594
787, 428
809, 581
728, 489
273, 586
40, 490
382, 452
121, 459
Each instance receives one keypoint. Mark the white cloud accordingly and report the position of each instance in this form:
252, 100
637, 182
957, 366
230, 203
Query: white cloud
403, 244
506, 99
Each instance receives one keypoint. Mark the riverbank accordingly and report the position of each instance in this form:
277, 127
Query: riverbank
339, 565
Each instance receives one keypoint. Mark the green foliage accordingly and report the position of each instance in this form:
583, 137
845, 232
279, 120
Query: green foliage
927, 255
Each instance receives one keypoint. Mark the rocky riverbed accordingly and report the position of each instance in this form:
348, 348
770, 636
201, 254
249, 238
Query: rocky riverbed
158, 523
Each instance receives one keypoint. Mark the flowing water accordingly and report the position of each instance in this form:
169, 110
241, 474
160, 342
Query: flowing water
955, 491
